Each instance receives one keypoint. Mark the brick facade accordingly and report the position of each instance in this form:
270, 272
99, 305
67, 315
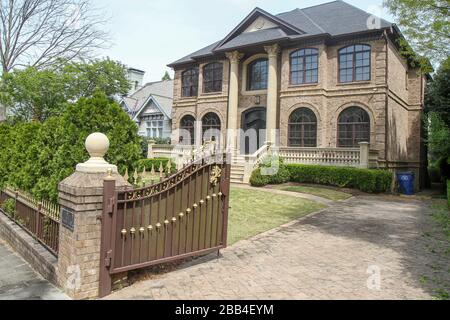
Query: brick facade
393, 98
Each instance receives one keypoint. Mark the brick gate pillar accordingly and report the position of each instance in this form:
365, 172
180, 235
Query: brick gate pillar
81, 200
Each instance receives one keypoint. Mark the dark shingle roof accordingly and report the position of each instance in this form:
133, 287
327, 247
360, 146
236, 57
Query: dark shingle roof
333, 18
255, 37
338, 18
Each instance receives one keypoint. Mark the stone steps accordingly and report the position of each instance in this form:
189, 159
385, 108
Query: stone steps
238, 169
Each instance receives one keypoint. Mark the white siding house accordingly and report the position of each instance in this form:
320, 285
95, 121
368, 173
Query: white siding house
151, 108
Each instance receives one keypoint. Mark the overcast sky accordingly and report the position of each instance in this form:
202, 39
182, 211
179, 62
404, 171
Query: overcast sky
149, 34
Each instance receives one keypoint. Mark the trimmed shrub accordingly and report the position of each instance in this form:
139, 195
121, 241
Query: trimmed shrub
258, 180
371, 181
366, 180
156, 162
276, 165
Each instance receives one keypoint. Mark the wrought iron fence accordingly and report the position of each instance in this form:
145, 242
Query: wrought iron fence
184, 215
40, 218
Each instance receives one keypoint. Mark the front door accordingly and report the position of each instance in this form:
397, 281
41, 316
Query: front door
254, 127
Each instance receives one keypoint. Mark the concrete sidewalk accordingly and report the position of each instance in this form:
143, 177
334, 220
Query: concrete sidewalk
18, 281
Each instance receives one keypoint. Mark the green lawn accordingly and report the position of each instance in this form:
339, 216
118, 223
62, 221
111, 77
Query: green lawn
439, 243
317, 191
253, 212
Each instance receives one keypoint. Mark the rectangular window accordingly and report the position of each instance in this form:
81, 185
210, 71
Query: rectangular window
155, 129
212, 77
305, 66
190, 83
354, 63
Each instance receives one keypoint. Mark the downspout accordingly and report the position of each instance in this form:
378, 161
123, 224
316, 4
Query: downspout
386, 107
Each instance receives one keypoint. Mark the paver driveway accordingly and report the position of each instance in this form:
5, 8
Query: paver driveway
333, 254
18, 281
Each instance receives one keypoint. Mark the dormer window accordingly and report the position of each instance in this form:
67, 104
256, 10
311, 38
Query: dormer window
257, 75
354, 63
190, 83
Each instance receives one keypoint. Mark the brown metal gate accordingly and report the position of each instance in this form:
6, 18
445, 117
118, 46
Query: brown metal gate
183, 216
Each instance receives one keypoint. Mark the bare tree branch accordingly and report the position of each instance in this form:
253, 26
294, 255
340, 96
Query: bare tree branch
41, 32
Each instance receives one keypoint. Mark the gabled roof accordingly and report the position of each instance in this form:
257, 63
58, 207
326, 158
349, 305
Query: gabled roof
164, 104
330, 19
160, 92
284, 27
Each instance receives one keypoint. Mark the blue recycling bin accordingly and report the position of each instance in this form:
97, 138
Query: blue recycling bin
406, 183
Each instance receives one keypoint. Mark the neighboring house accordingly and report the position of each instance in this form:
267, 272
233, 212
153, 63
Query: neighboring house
328, 77
151, 108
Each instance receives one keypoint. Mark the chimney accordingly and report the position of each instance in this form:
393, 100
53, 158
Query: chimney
136, 79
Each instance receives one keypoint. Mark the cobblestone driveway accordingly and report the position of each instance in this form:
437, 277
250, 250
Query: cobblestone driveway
324, 256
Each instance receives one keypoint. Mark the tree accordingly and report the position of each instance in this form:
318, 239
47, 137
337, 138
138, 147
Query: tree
438, 137
426, 25
33, 94
35, 157
166, 76
38, 33
438, 93
107, 76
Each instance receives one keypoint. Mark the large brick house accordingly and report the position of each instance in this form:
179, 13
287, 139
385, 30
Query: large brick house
327, 77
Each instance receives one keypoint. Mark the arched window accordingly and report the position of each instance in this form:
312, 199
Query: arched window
187, 127
212, 77
305, 66
353, 127
303, 128
257, 75
190, 82
211, 127
354, 63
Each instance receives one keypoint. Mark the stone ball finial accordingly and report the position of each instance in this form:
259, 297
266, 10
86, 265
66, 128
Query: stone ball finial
97, 144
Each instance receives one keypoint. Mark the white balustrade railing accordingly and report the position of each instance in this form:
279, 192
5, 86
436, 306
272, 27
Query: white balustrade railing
345, 157
252, 161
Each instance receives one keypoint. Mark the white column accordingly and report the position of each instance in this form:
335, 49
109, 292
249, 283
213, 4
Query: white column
364, 148
272, 93
233, 100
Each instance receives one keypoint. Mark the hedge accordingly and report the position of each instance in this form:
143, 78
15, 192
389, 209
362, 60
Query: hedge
35, 157
275, 163
366, 180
